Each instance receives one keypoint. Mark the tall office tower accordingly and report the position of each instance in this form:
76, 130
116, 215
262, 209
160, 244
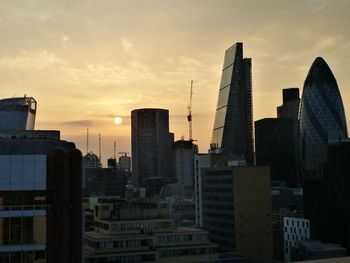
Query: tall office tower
321, 117
17, 113
150, 142
275, 147
40, 198
233, 125
236, 207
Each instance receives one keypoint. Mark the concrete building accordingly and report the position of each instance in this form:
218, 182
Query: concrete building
151, 144
141, 231
236, 203
125, 162
40, 198
200, 161
183, 161
295, 230
233, 125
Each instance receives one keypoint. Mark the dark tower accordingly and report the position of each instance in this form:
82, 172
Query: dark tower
233, 125
150, 141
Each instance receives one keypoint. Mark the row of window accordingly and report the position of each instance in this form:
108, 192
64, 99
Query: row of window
189, 251
134, 226
178, 238
120, 243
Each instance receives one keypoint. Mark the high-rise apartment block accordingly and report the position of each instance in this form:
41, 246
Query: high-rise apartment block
151, 144
233, 125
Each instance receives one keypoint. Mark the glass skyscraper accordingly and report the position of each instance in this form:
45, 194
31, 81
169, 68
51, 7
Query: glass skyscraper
233, 125
321, 117
17, 113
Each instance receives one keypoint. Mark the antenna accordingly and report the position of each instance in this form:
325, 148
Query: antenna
99, 146
87, 140
189, 116
115, 148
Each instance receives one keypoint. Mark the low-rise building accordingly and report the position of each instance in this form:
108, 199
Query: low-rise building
141, 231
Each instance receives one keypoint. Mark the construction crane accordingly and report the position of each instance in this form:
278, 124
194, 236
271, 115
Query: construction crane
189, 116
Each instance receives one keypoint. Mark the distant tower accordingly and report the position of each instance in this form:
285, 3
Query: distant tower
150, 141
321, 117
233, 125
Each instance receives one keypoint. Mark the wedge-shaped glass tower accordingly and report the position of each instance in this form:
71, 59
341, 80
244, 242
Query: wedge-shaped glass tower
233, 125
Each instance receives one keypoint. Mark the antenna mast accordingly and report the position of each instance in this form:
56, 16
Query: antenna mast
87, 140
99, 146
115, 147
189, 116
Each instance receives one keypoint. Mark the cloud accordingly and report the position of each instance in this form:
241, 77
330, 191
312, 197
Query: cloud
35, 59
79, 123
127, 46
327, 42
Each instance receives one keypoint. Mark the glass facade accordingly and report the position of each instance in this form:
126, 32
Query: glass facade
17, 113
233, 125
321, 117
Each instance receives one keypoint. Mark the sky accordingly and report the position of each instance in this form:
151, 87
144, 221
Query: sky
88, 61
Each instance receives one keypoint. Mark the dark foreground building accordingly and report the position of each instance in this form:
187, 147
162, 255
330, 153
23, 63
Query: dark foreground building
40, 190
233, 125
275, 147
327, 200
40, 198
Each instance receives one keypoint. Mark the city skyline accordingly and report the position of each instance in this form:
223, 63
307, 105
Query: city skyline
86, 63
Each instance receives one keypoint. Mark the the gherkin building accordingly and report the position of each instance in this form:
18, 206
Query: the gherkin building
321, 116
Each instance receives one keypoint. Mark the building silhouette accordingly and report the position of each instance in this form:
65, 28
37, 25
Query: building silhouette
275, 147
233, 125
321, 117
151, 148
276, 140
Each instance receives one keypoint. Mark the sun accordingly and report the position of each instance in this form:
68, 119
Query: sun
117, 120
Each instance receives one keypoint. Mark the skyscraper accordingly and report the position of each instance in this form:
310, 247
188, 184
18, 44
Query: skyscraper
17, 113
150, 142
321, 117
233, 125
